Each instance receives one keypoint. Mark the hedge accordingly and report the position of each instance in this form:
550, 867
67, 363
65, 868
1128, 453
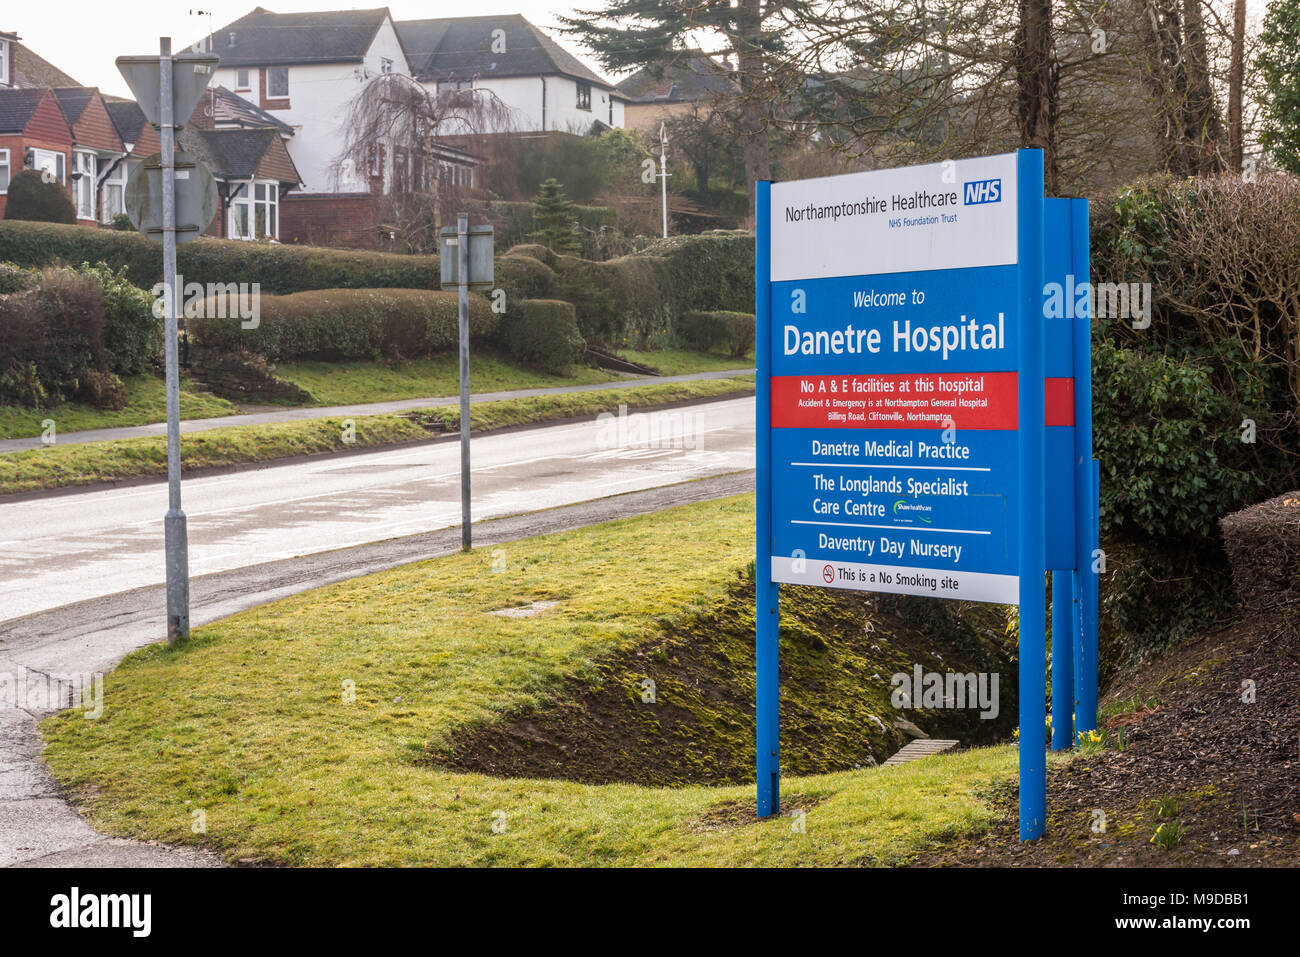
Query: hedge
32, 198
727, 333
627, 300
545, 334
279, 269
345, 324
1263, 545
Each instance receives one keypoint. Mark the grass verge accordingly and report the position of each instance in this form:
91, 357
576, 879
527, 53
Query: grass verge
96, 462
298, 728
355, 383
146, 403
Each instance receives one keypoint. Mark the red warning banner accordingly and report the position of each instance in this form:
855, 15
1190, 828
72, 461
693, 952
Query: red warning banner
917, 400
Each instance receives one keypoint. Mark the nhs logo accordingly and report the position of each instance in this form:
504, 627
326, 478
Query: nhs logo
983, 191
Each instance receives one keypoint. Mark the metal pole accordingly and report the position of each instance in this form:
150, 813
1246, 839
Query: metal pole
1087, 486
174, 530
767, 704
462, 272
663, 176
1063, 618
1032, 534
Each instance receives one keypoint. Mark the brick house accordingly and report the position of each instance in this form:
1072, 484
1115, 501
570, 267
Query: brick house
96, 168
33, 133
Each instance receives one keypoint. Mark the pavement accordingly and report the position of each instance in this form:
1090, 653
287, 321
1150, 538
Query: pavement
346, 411
265, 534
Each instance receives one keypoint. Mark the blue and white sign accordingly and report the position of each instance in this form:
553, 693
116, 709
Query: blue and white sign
894, 342
909, 417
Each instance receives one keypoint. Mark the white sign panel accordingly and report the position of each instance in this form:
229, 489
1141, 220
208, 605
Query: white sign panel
950, 215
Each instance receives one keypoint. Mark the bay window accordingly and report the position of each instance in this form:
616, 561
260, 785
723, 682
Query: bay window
114, 192
4, 172
255, 210
84, 168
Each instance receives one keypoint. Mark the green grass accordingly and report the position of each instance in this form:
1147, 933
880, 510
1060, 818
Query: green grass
685, 361
249, 723
94, 462
355, 383
146, 402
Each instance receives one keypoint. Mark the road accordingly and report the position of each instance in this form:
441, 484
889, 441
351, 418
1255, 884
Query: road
60, 549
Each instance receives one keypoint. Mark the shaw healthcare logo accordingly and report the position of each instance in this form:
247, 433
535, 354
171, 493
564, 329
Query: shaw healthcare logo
982, 191
903, 512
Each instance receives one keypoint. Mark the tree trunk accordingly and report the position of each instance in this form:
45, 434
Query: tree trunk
1236, 79
753, 93
1037, 80
1203, 125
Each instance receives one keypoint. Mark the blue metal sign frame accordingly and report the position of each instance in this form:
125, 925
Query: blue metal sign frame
1073, 537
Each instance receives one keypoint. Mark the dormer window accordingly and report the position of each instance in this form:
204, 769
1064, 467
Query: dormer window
385, 65
4, 62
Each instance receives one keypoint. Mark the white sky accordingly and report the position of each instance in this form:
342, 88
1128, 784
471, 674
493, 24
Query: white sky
84, 37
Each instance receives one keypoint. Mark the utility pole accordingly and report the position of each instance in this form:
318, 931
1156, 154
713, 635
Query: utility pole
462, 264
167, 89
664, 174
174, 527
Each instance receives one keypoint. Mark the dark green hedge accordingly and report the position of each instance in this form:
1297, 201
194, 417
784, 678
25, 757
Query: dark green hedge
31, 198
347, 324
726, 333
545, 334
631, 299
279, 269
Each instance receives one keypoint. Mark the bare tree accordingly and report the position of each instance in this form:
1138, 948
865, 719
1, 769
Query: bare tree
415, 147
1236, 83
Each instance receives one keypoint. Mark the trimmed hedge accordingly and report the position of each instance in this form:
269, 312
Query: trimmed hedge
279, 269
727, 333
133, 332
33, 199
628, 300
346, 324
1263, 545
545, 334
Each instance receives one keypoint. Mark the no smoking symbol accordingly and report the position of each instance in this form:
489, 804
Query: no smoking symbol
828, 574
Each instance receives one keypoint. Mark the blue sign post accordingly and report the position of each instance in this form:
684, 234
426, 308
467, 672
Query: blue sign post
907, 423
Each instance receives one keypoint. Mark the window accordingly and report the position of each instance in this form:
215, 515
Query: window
385, 65
114, 192
241, 80
4, 62
83, 189
254, 211
49, 161
447, 87
277, 82
4, 171
584, 95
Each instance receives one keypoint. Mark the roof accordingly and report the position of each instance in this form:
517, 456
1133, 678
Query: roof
462, 47
127, 117
231, 109
262, 37
241, 154
73, 100
29, 70
690, 76
17, 108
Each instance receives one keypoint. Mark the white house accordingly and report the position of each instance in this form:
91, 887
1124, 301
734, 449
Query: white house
305, 69
544, 86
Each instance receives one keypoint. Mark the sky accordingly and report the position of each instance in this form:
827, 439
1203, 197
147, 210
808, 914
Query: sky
84, 37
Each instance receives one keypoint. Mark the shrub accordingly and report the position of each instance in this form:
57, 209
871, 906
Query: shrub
523, 277
346, 324
51, 336
33, 199
279, 269
533, 251
727, 333
13, 279
133, 335
1263, 545
545, 334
